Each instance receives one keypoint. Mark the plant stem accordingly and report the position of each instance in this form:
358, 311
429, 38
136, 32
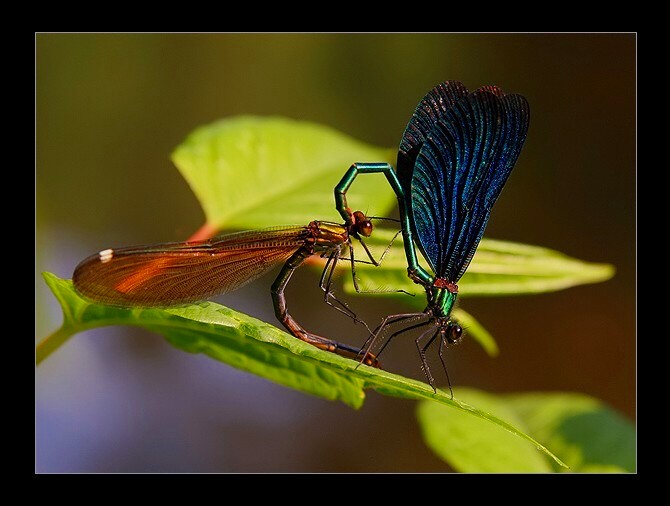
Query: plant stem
51, 343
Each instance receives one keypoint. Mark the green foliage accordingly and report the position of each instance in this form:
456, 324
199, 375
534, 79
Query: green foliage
474, 446
587, 435
498, 268
247, 170
254, 346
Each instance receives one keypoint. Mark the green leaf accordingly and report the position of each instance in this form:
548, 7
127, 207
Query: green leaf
582, 430
584, 433
251, 172
498, 268
221, 333
251, 345
473, 446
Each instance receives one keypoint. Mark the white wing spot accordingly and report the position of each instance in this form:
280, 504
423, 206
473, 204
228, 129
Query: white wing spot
106, 255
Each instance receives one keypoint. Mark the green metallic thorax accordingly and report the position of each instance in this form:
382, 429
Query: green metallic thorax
441, 301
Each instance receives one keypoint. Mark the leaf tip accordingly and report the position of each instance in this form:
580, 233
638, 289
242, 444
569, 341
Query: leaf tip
49, 277
602, 272
53, 281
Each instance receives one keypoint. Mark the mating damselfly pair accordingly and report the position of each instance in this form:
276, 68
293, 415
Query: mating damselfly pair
455, 156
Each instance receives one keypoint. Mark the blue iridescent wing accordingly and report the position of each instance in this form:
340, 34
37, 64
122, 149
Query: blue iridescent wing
432, 107
459, 172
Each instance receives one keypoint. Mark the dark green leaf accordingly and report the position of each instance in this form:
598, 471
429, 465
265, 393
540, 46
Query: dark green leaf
581, 430
588, 435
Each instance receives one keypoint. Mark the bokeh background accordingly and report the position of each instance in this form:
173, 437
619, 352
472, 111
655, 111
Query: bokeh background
111, 108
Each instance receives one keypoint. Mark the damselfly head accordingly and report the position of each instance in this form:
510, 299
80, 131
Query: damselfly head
454, 333
451, 331
362, 225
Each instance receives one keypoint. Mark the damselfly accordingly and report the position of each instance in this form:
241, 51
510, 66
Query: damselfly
455, 156
184, 272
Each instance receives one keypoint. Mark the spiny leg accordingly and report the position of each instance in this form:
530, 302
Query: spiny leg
401, 331
422, 353
281, 311
377, 263
387, 320
443, 344
326, 281
374, 262
326, 284
357, 261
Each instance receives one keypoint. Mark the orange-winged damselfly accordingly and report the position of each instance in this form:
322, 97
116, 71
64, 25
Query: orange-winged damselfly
169, 274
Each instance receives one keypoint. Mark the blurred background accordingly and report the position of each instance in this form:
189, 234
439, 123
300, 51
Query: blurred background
112, 107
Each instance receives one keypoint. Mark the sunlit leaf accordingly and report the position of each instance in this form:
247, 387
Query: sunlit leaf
257, 347
498, 268
254, 172
473, 446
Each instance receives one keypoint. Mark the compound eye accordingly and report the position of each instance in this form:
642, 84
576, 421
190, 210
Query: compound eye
362, 224
365, 228
455, 333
